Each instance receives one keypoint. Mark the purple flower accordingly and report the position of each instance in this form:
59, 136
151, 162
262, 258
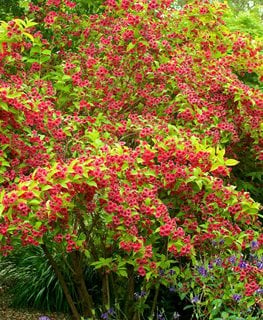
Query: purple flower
143, 293
195, 299
260, 265
214, 243
171, 272
254, 244
236, 297
202, 271
218, 261
161, 272
111, 311
222, 241
105, 316
242, 265
172, 289
43, 318
232, 259
259, 291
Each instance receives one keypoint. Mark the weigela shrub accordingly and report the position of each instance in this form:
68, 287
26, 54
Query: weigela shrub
119, 132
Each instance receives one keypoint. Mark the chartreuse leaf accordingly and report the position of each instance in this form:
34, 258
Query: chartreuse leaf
28, 35
91, 183
2, 207
34, 202
130, 46
231, 162
38, 225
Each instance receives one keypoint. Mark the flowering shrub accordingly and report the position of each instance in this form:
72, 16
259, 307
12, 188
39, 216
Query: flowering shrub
119, 132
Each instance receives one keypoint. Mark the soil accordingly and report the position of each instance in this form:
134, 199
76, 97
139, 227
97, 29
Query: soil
8, 313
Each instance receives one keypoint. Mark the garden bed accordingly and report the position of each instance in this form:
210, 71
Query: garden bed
9, 313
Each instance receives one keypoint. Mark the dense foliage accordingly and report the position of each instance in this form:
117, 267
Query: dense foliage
119, 132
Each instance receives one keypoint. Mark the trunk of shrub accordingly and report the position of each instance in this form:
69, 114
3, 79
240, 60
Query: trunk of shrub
79, 280
129, 303
105, 290
75, 313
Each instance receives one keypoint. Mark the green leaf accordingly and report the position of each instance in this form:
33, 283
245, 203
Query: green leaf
147, 201
34, 202
122, 273
215, 166
46, 52
35, 49
199, 184
102, 263
131, 46
148, 275
44, 59
231, 162
2, 207
92, 183
45, 188
28, 35
125, 166
38, 224
4, 106
2, 195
